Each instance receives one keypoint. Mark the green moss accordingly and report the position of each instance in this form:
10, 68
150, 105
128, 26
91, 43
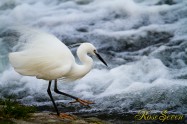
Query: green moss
12, 109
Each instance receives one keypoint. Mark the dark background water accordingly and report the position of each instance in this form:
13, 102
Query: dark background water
144, 42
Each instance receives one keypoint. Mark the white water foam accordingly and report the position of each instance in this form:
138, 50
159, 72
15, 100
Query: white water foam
143, 41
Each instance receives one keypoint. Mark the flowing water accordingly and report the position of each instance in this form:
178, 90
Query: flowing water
144, 43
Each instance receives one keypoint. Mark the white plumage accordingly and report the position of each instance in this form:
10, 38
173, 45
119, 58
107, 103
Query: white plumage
46, 57
43, 56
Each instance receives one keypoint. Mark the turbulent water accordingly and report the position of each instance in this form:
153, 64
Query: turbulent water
144, 43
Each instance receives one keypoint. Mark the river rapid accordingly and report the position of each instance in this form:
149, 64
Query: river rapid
144, 43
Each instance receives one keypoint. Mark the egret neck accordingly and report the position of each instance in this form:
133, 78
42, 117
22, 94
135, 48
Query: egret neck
86, 63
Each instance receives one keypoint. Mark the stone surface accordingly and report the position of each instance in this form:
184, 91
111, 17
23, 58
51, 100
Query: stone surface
48, 118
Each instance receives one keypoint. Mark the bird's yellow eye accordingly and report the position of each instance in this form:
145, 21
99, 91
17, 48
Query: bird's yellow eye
94, 51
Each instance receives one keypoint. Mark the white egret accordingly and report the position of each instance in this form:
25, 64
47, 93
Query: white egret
46, 57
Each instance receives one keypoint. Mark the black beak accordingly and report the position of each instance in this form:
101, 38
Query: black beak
100, 58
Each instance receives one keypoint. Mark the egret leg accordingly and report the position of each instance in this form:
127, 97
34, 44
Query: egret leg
62, 93
50, 95
83, 102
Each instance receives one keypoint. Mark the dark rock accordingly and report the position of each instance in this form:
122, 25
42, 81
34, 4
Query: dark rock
168, 2
82, 30
47, 118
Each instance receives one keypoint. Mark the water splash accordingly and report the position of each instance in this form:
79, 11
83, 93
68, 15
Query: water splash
144, 42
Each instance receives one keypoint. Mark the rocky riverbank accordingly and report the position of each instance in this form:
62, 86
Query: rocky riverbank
12, 112
48, 118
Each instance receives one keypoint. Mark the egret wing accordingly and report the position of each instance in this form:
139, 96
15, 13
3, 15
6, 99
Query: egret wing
42, 53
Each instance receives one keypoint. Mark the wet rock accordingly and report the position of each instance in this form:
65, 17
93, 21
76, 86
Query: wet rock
152, 38
134, 43
83, 2
168, 2
82, 30
48, 118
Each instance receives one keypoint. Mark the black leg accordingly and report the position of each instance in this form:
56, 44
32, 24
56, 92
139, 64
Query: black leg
50, 95
62, 93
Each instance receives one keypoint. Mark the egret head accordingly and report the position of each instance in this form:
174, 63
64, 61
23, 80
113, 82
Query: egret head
89, 48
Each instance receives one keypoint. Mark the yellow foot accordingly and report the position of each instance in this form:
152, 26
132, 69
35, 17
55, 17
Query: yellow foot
83, 102
67, 116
